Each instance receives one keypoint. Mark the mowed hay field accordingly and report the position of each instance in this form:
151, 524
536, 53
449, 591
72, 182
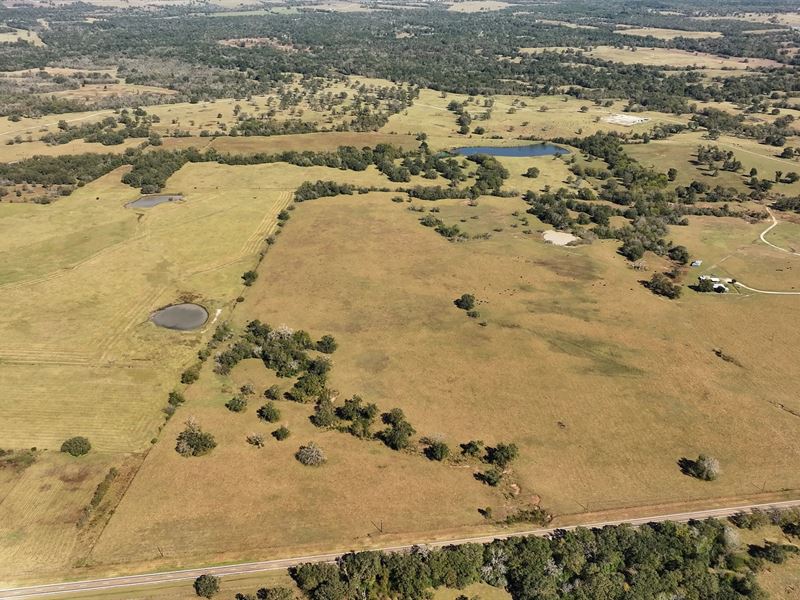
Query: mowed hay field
79, 356
603, 386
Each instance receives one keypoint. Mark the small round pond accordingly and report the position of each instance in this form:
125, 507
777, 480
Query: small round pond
182, 317
514, 151
154, 200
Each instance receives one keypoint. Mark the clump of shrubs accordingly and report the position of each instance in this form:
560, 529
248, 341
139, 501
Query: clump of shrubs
661, 285
465, 302
705, 467
249, 277
437, 450
311, 455
398, 432
237, 404
269, 413
76, 446
327, 344
256, 439
193, 441
281, 433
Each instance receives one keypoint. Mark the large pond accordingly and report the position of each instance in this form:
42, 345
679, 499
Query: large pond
528, 150
154, 200
182, 317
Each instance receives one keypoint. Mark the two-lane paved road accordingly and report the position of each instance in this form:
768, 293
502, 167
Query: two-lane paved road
126, 581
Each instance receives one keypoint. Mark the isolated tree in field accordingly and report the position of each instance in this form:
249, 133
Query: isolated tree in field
273, 392
237, 404
532, 173
269, 412
672, 174
256, 439
193, 441
249, 277
311, 455
76, 446
465, 302
206, 586
281, 433
705, 467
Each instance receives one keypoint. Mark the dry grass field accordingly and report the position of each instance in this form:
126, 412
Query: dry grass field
513, 117
472, 6
601, 401
674, 58
667, 34
680, 151
78, 354
25, 35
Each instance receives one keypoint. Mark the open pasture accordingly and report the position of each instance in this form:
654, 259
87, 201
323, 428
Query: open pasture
674, 58
473, 6
667, 34
512, 118
601, 418
26, 35
680, 152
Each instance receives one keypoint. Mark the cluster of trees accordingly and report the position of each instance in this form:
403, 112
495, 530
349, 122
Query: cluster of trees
442, 52
451, 232
662, 284
694, 560
109, 131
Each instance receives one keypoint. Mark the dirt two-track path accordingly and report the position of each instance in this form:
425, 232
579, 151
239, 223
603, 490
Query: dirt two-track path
768, 243
130, 581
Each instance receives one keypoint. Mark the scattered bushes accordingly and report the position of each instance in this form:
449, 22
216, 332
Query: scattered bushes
76, 446
311, 455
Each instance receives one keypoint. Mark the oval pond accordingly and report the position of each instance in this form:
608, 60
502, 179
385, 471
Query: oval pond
516, 151
182, 317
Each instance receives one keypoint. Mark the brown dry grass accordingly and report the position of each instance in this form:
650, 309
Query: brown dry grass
602, 385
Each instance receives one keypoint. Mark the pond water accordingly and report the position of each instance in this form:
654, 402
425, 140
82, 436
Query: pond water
155, 200
182, 317
517, 151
